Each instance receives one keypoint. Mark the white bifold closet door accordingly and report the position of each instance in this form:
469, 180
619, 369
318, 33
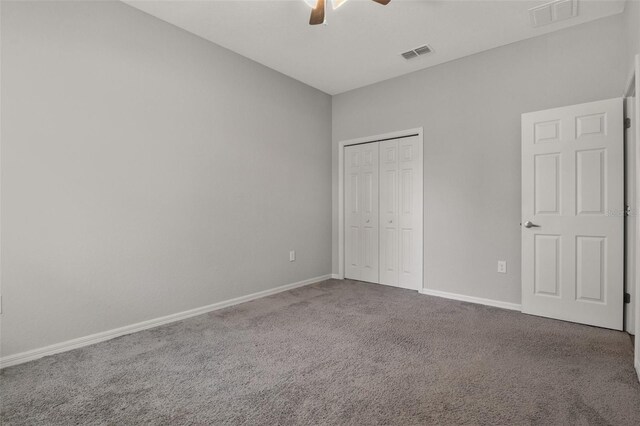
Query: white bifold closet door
383, 212
401, 213
361, 212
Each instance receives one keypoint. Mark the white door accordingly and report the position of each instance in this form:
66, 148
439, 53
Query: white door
361, 212
389, 217
401, 212
572, 213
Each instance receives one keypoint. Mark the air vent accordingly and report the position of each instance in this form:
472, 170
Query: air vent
554, 11
418, 51
410, 55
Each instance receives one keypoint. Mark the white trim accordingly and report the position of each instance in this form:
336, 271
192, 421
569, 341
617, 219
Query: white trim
472, 299
636, 80
335, 277
0, 157
33, 354
419, 131
631, 199
630, 88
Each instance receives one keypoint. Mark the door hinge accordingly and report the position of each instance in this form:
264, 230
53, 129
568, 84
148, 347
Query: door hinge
627, 298
627, 210
627, 123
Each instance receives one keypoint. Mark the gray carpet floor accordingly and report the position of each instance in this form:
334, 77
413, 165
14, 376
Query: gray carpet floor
337, 352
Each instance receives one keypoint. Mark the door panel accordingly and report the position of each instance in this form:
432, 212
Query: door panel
352, 213
410, 213
591, 172
547, 265
389, 213
547, 183
572, 188
401, 213
590, 268
361, 216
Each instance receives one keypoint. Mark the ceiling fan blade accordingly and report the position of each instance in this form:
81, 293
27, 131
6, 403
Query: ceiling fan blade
317, 14
383, 2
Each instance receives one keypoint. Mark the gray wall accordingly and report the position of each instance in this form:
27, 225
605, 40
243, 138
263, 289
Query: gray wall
632, 26
470, 110
146, 171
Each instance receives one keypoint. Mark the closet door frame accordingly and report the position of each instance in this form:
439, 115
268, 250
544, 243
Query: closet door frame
341, 201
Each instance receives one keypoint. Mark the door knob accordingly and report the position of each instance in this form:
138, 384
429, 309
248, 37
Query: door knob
391, 221
529, 224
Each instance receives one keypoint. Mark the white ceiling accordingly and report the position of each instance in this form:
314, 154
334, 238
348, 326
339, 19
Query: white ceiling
361, 42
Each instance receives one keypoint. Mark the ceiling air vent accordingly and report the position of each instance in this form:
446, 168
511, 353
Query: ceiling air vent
410, 55
554, 11
418, 51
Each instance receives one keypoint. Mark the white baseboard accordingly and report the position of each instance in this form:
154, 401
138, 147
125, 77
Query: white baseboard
23, 357
335, 276
637, 365
472, 299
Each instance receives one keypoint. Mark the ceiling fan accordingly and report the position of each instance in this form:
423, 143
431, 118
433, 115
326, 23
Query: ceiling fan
317, 14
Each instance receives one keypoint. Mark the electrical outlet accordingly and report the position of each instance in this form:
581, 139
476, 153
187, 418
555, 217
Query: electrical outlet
292, 256
502, 266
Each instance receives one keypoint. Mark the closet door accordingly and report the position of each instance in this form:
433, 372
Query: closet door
410, 214
389, 212
361, 212
401, 213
